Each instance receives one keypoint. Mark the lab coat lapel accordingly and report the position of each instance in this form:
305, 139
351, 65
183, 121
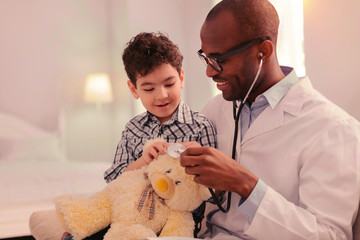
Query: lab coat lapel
268, 120
289, 107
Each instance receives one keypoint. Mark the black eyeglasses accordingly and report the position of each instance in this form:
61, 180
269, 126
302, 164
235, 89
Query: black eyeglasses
214, 61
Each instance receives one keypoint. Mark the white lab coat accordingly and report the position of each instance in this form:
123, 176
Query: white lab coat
307, 150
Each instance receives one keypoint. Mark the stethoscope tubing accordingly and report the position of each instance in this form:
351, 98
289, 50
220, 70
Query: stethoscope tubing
236, 133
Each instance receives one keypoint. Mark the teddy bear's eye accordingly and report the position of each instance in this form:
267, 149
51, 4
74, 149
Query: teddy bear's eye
177, 182
168, 171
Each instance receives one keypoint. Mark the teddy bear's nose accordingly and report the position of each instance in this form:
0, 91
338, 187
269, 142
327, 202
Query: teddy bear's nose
163, 185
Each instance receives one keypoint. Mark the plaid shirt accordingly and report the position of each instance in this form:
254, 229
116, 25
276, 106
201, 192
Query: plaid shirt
185, 125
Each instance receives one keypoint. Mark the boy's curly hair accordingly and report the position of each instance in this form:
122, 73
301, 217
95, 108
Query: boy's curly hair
146, 51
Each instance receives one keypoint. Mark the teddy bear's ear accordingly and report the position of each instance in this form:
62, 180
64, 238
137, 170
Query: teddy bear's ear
152, 141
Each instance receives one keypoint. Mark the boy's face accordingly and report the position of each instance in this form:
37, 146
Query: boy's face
159, 91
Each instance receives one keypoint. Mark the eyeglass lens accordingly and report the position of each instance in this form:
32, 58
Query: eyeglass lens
210, 61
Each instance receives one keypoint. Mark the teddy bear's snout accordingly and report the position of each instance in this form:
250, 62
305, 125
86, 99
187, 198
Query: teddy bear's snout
163, 185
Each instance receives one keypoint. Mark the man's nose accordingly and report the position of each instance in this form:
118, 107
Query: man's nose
210, 71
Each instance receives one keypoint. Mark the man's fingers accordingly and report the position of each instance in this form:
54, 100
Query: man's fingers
202, 179
194, 151
198, 176
189, 161
192, 170
193, 156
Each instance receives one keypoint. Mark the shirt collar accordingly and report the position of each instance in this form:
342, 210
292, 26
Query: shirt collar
274, 94
182, 115
279, 90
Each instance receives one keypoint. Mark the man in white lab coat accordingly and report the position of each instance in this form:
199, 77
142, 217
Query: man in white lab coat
294, 169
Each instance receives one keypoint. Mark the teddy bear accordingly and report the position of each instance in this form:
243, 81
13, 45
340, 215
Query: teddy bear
155, 200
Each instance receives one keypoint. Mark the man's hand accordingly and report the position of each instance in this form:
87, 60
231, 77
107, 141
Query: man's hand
216, 170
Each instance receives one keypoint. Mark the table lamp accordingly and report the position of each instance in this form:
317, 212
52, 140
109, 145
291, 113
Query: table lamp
98, 89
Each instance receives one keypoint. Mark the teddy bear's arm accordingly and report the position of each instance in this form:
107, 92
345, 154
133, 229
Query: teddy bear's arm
178, 224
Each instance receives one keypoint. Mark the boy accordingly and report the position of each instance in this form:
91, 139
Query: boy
154, 66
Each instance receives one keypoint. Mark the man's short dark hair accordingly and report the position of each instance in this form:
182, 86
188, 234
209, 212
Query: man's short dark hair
255, 18
146, 51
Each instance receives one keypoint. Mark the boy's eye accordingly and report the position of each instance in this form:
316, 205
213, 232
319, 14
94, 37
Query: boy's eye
170, 84
148, 90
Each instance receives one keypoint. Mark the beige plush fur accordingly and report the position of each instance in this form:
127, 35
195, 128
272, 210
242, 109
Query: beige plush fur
117, 205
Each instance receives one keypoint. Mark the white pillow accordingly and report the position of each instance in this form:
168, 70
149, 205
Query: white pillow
21, 140
41, 149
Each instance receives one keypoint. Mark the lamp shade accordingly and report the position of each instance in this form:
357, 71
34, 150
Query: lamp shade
98, 88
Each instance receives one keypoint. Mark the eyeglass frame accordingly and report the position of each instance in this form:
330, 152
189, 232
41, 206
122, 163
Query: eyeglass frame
239, 49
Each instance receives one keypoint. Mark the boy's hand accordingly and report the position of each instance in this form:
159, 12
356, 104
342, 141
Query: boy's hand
150, 153
153, 151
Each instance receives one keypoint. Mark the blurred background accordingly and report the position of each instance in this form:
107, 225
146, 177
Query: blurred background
50, 49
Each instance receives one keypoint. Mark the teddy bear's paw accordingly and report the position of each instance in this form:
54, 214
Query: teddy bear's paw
118, 231
178, 231
83, 216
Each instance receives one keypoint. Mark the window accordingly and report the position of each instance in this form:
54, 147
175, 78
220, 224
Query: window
290, 46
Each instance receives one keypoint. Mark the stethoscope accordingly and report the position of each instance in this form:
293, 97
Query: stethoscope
236, 116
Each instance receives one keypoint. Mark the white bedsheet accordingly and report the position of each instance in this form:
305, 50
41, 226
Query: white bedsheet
30, 186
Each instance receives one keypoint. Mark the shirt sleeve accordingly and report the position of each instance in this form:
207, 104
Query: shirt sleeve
207, 134
124, 155
251, 204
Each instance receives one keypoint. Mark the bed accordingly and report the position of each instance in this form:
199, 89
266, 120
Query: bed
33, 170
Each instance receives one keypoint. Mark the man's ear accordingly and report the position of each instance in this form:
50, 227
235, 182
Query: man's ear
133, 89
266, 49
182, 78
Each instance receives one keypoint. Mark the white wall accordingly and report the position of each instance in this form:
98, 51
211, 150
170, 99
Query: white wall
332, 50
